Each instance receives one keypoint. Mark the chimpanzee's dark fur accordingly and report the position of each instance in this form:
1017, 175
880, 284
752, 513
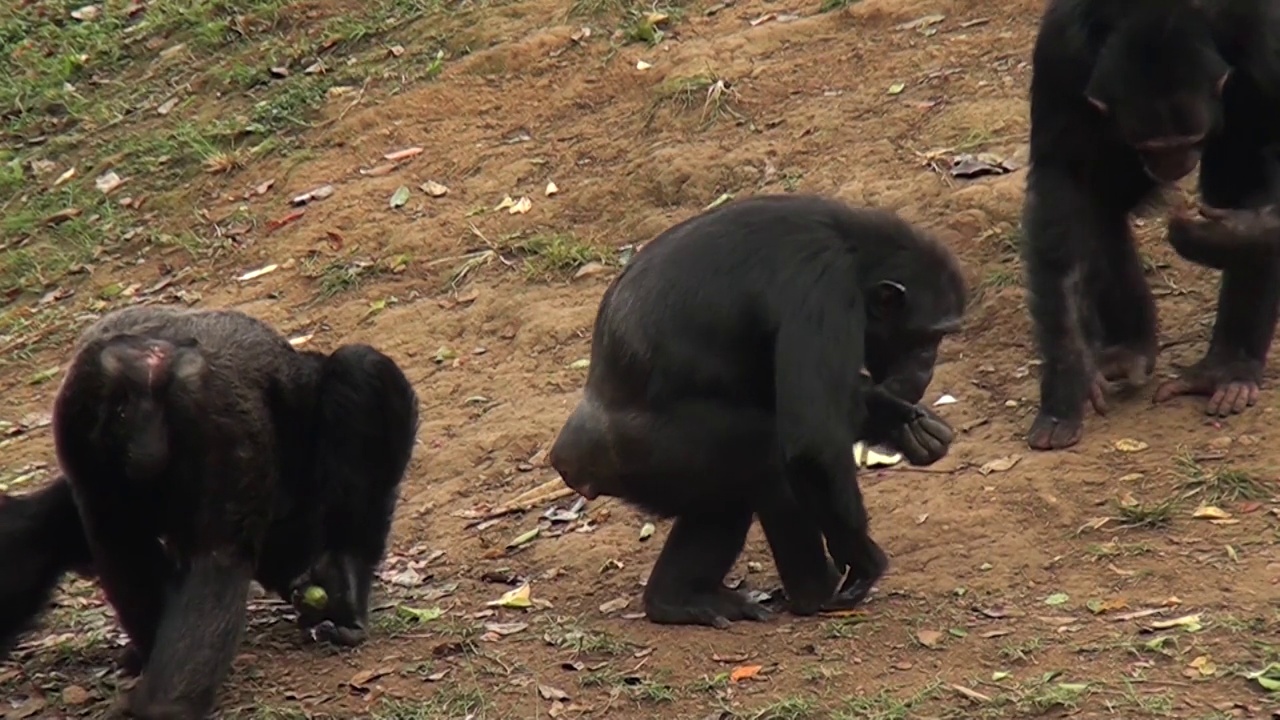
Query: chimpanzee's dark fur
275, 464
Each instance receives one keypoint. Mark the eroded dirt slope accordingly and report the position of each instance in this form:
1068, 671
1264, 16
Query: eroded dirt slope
1023, 585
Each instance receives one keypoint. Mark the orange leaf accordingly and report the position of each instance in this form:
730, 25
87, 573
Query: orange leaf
742, 672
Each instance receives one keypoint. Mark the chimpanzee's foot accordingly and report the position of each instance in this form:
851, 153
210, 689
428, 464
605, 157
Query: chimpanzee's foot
718, 608
1231, 385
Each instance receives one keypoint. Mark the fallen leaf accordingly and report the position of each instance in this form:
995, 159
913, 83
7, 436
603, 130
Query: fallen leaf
742, 672
1098, 607
517, 598
642, 65
1000, 464
970, 693
969, 166
107, 182
400, 197
1057, 599
521, 206
505, 629
929, 638
423, 615
87, 13
945, 400
319, 193
550, 693
404, 154
434, 189
364, 677
524, 538
647, 530
75, 695
258, 273
897, 88
590, 269
1129, 445
1210, 512
1203, 666
582, 364
1268, 677
1190, 623
278, 223
614, 605
551, 189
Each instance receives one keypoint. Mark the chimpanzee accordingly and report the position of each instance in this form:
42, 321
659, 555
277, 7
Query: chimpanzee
725, 382
40, 540
1226, 238
201, 451
1126, 99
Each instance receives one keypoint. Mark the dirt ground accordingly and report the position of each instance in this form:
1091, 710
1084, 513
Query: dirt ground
1135, 575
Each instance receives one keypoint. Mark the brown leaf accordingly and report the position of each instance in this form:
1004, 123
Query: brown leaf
278, 223
75, 695
742, 672
551, 693
404, 154
929, 638
364, 677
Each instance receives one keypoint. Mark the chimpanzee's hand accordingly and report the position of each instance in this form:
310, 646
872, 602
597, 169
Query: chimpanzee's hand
925, 439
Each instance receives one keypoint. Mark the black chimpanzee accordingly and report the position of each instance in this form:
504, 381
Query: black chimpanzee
725, 382
1126, 98
201, 450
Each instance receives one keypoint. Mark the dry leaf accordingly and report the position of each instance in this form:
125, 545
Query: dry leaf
742, 672
75, 695
614, 605
642, 65
552, 189
1210, 512
1129, 445
550, 693
1191, 623
364, 677
1204, 665
405, 154
517, 598
434, 189
929, 638
65, 176
646, 531
1000, 464
258, 273
107, 182
521, 206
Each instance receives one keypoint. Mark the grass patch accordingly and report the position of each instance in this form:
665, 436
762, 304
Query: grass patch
566, 633
1219, 486
159, 94
710, 96
557, 255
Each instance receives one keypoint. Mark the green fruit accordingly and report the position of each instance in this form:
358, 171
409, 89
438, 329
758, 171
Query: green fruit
315, 597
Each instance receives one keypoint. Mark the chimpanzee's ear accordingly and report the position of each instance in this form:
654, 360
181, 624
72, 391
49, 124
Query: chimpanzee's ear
886, 300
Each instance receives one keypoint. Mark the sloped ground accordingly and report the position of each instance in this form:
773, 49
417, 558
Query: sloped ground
1084, 582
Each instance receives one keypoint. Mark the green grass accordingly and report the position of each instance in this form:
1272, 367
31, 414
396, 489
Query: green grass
178, 91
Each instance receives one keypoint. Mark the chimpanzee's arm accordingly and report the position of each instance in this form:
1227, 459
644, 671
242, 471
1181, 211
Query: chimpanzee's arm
820, 407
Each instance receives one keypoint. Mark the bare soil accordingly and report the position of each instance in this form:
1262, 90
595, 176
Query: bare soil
1088, 582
